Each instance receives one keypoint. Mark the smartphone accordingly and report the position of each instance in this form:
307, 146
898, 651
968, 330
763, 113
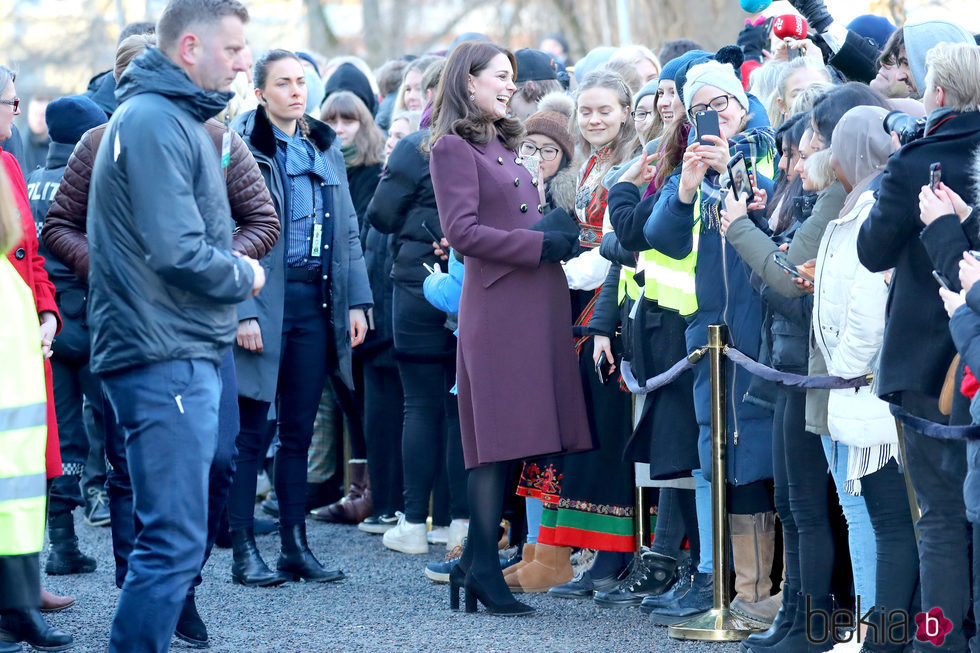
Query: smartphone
435, 238
975, 253
935, 175
706, 123
429, 268
941, 280
789, 268
793, 53
738, 177
604, 369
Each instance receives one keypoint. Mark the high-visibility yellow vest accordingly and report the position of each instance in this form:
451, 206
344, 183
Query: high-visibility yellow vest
670, 281
23, 423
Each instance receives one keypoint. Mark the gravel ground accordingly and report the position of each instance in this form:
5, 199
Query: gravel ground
385, 604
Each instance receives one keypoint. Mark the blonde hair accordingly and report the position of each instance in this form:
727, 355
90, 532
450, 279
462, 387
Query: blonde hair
130, 48
634, 54
774, 108
626, 141
807, 97
243, 101
10, 218
819, 169
955, 68
419, 65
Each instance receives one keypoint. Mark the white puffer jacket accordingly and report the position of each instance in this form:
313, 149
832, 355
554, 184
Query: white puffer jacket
848, 325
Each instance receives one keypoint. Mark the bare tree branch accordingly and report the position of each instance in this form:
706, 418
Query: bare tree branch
448, 26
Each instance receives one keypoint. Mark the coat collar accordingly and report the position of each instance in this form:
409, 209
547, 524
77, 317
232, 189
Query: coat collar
263, 139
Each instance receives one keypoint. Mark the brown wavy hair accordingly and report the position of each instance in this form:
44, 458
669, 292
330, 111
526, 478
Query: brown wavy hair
452, 110
369, 140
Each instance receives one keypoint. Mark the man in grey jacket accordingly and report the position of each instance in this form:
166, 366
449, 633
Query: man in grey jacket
163, 287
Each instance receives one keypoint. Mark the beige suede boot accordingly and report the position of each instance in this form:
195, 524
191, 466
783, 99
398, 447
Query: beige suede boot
753, 547
551, 567
527, 557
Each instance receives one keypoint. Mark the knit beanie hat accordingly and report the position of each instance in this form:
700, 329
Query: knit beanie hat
554, 125
719, 75
595, 58
672, 67
876, 28
924, 36
70, 117
650, 88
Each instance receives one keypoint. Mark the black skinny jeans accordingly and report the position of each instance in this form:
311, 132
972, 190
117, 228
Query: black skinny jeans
897, 561
383, 404
431, 443
800, 475
253, 441
676, 517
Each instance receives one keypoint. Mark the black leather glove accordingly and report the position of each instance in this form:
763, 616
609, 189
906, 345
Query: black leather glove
753, 39
815, 12
557, 220
557, 246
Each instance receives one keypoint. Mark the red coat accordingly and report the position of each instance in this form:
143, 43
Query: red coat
30, 265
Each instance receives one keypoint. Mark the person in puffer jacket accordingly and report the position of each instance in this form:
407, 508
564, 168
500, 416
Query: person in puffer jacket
848, 326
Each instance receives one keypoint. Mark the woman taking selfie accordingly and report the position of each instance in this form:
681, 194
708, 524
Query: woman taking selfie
518, 396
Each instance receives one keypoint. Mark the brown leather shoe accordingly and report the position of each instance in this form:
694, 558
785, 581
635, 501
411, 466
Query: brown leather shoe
54, 603
550, 568
527, 557
357, 505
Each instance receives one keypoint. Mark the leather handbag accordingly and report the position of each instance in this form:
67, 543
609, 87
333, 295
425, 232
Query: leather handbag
949, 387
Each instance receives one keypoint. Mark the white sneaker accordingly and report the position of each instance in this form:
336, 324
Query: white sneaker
458, 528
406, 537
439, 535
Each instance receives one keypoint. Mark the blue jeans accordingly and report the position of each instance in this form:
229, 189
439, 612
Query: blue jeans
860, 536
168, 414
124, 524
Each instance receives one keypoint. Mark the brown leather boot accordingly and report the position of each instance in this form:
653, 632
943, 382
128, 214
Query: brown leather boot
753, 546
551, 567
357, 505
54, 603
527, 557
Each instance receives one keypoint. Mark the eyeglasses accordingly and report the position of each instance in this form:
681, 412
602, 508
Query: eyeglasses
718, 104
640, 115
548, 153
15, 103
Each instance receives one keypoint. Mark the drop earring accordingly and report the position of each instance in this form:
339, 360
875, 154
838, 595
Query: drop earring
472, 97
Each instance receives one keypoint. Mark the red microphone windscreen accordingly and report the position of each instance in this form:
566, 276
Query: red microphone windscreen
789, 26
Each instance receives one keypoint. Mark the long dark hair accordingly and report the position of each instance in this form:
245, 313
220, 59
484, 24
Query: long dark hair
260, 75
452, 110
832, 105
786, 191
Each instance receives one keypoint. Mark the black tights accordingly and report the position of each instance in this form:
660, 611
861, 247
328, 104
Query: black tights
486, 486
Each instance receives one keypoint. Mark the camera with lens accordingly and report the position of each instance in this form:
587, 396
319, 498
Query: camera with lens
907, 127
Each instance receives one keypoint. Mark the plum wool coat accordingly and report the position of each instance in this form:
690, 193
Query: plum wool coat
519, 389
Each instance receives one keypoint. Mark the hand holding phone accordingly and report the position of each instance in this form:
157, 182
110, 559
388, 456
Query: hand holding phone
935, 175
792, 271
738, 177
706, 123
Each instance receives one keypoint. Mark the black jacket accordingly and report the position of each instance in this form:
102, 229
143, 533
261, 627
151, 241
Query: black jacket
163, 283
917, 347
42, 184
402, 204
363, 181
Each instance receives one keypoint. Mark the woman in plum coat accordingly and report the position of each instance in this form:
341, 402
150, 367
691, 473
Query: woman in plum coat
519, 394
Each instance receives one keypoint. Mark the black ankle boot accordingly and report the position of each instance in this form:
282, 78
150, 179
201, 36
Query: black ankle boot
810, 623
780, 626
296, 561
248, 567
491, 590
190, 626
64, 557
29, 626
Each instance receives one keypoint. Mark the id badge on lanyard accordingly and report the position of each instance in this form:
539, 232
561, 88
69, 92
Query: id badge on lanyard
316, 240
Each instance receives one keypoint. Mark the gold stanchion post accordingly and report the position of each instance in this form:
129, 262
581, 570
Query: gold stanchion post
719, 624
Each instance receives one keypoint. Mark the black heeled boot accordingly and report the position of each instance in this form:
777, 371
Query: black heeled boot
780, 625
811, 623
29, 626
296, 561
64, 557
248, 567
456, 579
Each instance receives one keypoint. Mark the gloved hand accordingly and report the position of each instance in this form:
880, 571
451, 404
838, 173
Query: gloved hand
753, 39
557, 246
815, 12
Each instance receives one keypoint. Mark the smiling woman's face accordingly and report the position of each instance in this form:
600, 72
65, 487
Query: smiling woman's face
600, 115
493, 86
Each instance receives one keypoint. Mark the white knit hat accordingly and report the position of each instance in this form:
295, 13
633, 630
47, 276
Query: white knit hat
720, 75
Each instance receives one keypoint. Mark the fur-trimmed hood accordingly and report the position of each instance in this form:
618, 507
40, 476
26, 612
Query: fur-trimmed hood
562, 187
256, 127
558, 101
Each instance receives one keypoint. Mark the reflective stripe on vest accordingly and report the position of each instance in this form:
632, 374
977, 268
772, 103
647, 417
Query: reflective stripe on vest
23, 415
627, 285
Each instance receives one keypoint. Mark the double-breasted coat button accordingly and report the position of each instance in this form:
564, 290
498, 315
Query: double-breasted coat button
519, 161
523, 208
540, 208
324, 277
534, 182
517, 181
500, 160
20, 254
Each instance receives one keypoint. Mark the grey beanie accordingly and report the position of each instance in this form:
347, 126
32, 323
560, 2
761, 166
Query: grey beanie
719, 75
924, 36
